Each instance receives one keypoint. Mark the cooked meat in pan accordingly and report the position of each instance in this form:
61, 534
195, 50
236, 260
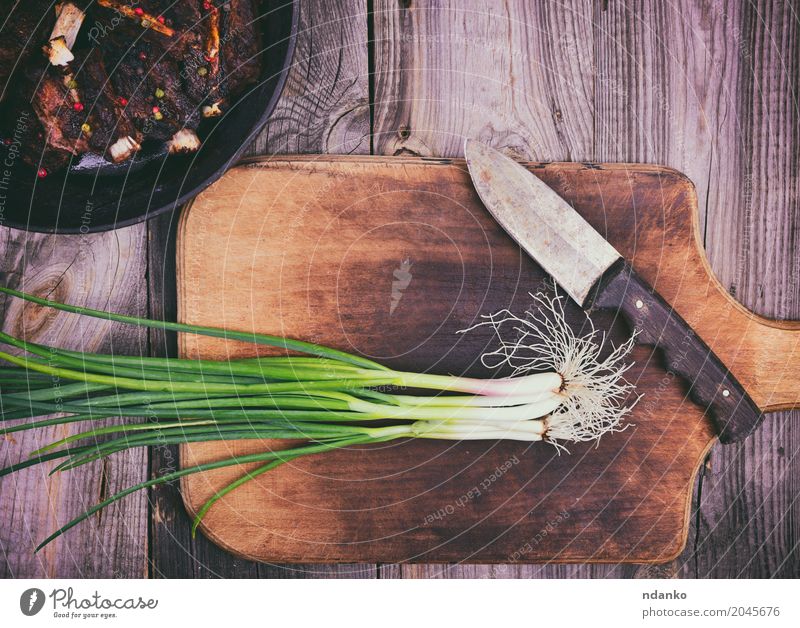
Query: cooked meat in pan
109, 76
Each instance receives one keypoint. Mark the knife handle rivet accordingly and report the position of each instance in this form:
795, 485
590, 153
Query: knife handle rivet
726, 393
639, 304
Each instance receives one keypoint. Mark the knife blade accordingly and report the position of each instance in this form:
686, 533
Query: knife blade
595, 275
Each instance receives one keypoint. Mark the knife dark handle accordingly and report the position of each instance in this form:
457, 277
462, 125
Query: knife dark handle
710, 383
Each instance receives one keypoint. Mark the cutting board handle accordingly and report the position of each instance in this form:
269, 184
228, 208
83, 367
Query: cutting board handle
763, 354
768, 357
711, 385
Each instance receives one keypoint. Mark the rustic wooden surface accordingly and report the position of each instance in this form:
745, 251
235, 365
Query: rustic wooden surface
707, 87
328, 227
106, 271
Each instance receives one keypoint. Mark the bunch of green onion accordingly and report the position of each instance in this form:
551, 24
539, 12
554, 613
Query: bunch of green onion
562, 390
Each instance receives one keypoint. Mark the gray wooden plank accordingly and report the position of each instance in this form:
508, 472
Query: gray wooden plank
654, 103
517, 75
706, 87
710, 88
750, 510
502, 72
324, 108
505, 571
101, 271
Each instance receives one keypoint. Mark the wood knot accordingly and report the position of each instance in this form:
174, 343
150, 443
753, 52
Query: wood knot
32, 319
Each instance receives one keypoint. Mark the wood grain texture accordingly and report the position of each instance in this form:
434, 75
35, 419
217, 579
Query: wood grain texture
173, 552
709, 88
323, 108
433, 87
494, 71
749, 523
102, 271
324, 247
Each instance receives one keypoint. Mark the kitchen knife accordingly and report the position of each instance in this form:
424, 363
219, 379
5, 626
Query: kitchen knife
596, 276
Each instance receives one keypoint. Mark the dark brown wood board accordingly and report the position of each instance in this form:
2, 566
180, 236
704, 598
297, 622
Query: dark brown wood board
309, 248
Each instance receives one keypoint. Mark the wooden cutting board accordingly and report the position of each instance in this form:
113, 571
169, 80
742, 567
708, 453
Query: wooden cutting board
389, 258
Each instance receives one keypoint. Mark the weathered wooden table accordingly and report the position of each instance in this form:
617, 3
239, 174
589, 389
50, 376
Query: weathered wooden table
709, 88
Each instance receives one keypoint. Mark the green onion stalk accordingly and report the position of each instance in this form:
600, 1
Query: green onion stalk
564, 388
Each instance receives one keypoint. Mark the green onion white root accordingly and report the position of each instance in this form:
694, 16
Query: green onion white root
564, 388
